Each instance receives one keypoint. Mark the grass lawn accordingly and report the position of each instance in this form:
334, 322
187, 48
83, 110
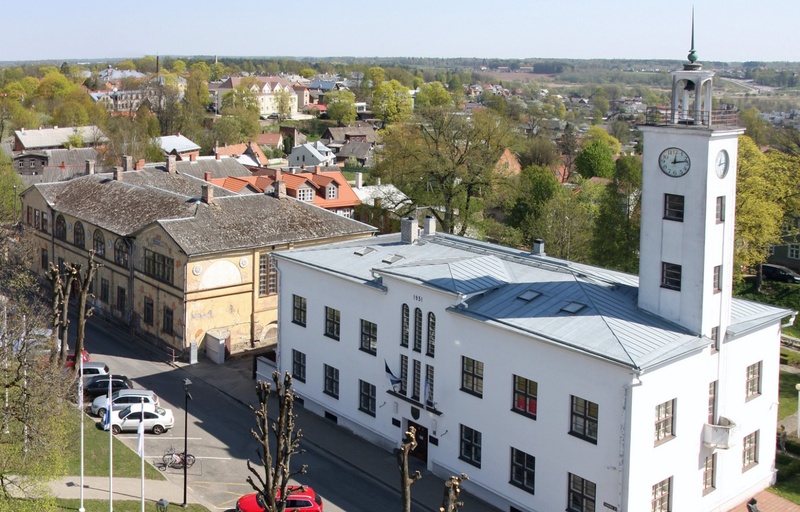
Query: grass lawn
122, 506
785, 295
787, 395
788, 481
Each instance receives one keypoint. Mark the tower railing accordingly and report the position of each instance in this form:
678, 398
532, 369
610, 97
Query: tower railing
662, 116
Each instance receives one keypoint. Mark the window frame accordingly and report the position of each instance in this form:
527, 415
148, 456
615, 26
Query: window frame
121, 252
167, 320
299, 310
719, 213
159, 266
333, 323
710, 473
582, 420
121, 298
793, 251
428, 388
671, 275
417, 330
753, 381
662, 496
716, 282
521, 394
470, 441
330, 384
472, 372
664, 422
78, 240
583, 491
523, 471
369, 337
60, 228
430, 346
367, 397
99, 243
405, 318
148, 309
403, 374
674, 207
750, 450
105, 286
298, 365
44, 256
712, 402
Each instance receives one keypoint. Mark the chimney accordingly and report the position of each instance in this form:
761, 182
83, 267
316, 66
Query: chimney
429, 225
208, 194
359, 180
89, 166
409, 230
279, 188
139, 165
378, 181
117, 173
316, 169
377, 202
538, 247
278, 175
216, 155
171, 165
193, 157
206, 176
127, 163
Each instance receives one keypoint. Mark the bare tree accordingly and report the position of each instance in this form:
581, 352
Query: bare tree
61, 287
277, 468
406, 480
452, 489
84, 278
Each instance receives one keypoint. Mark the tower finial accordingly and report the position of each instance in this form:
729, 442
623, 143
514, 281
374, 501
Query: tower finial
692, 53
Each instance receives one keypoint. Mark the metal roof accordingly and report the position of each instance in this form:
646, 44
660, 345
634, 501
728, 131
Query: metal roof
586, 308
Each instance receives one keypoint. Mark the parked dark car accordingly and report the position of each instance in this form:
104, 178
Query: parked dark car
778, 273
99, 385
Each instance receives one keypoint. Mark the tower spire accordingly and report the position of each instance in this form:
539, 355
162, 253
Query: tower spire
692, 53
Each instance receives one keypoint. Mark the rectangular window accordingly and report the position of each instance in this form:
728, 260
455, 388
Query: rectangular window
794, 251
331, 381
272, 281
298, 365
665, 421
749, 451
158, 266
418, 330
45, 259
104, 288
427, 389
30, 216
120, 298
37, 219
264, 275
661, 496
712, 402
581, 494
45, 222
305, 194
369, 337
673, 207
166, 324
717, 283
709, 473
523, 470
470, 451
299, 310
148, 311
753, 380
584, 417
404, 321
471, 376
720, 212
525, 393
671, 276
715, 338
431, 346
332, 323
415, 387
366, 398
403, 374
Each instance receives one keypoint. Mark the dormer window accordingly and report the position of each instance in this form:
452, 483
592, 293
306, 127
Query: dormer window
305, 194
331, 191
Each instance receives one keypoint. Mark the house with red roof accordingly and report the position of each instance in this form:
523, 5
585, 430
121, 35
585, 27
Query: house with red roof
247, 153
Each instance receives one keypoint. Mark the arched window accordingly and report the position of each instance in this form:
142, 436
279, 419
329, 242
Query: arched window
431, 349
418, 330
79, 235
99, 243
121, 252
60, 230
404, 326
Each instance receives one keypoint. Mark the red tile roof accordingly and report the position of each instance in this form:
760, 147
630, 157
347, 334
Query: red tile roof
269, 139
241, 149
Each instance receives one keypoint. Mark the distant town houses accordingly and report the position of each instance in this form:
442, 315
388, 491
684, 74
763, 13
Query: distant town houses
267, 93
57, 138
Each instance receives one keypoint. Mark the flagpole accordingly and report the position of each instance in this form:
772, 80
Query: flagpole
109, 406
141, 448
80, 416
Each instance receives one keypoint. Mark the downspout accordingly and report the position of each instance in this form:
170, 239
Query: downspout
623, 468
185, 313
280, 332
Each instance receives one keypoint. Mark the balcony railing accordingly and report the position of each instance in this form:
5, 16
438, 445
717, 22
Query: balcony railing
719, 436
661, 116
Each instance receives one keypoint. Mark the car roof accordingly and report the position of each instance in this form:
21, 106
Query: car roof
135, 392
106, 377
94, 364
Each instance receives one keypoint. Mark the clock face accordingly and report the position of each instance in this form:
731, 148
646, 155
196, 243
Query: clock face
674, 162
722, 163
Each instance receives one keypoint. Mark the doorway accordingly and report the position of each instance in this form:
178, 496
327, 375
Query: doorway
421, 451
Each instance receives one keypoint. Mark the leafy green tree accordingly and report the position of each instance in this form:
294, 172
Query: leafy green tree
341, 106
146, 64
565, 224
10, 187
535, 187
596, 133
54, 86
374, 77
179, 67
201, 71
284, 104
595, 159
447, 161
755, 126
307, 72
620, 130
568, 146
70, 114
432, 94
391, 102
540, 151
615, 242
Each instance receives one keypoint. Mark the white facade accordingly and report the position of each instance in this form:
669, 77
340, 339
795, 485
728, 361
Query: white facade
682, 422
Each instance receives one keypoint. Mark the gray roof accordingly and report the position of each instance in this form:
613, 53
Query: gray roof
52, 137
361, 150
178, 143
224, 167
75, 157
514, 290
392, 198
341, 133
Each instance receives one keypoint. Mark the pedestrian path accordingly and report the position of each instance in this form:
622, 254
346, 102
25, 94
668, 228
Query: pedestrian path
96, 488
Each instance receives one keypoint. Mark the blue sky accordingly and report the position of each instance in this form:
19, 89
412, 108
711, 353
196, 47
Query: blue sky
726, 30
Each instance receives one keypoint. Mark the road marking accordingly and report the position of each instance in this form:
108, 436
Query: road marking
160, 438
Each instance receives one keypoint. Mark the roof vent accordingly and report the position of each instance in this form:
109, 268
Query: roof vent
573, 307
528, 295
364, 251
392, 258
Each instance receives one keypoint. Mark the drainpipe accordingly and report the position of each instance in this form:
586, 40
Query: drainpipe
623, 464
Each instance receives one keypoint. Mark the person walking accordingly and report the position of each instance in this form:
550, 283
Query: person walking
782, 435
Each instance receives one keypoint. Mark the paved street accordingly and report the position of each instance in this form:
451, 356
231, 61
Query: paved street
349, 473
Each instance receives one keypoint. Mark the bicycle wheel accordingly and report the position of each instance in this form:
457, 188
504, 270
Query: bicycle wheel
167, 460
189, 460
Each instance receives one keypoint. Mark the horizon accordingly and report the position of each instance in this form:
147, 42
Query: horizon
573, 29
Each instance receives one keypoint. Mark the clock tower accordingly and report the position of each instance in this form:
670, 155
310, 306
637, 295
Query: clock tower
688, 204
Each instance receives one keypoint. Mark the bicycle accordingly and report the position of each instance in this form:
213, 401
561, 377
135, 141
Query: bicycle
176, 459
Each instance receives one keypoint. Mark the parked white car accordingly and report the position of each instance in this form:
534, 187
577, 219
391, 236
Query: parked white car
156, 419
122, 399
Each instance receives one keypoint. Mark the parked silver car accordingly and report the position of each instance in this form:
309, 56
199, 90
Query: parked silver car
122, 399
156, 419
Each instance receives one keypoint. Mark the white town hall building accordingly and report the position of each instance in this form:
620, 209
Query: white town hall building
556, 385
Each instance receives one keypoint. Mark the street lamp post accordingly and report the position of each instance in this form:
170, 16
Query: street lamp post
797, 387
188, 396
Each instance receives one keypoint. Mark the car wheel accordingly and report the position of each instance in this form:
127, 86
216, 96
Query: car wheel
158, 430
115, 429
101, 412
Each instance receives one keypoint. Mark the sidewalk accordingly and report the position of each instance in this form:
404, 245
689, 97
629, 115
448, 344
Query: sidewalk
96, 488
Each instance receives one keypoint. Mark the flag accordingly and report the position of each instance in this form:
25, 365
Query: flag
389, 375
107, 418
427, 390
140, 433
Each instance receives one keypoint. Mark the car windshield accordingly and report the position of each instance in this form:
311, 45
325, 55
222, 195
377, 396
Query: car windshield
125, 412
